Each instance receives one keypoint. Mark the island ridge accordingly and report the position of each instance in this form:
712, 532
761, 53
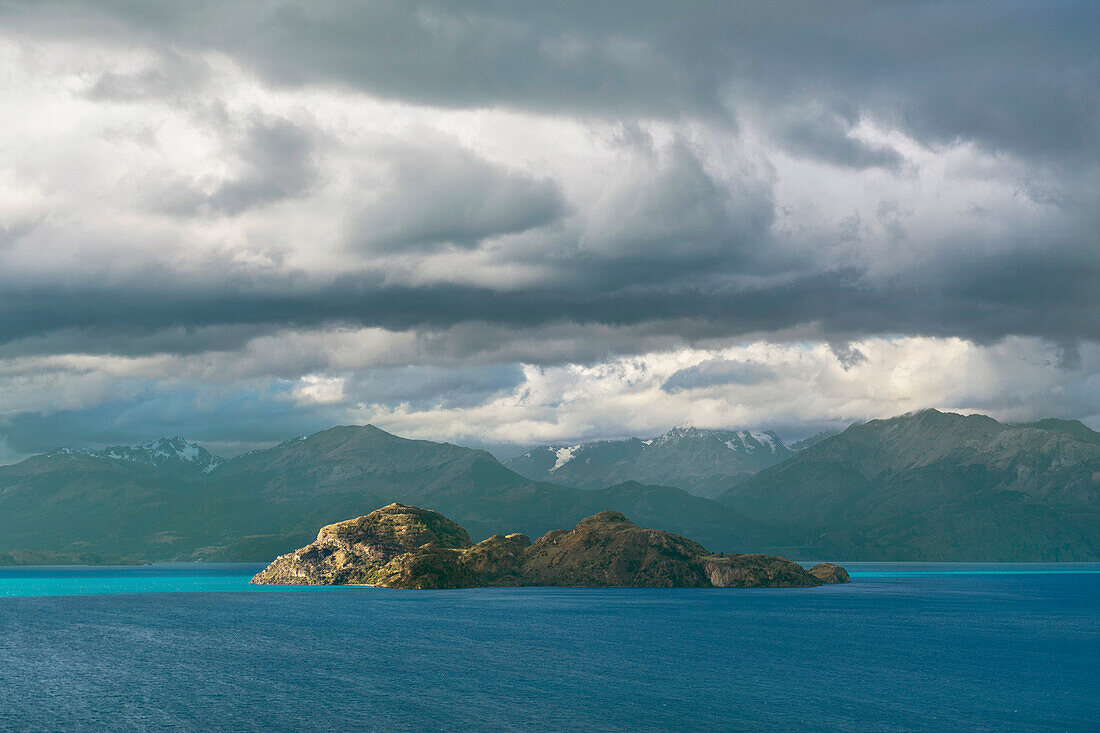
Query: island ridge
401, 546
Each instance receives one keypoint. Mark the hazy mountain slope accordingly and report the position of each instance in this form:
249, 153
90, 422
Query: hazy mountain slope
273, 500
812, 440
936, 486
1074, 428
702, 462
77, 501
120, 500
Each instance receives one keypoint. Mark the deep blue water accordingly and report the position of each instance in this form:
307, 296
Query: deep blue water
903, 647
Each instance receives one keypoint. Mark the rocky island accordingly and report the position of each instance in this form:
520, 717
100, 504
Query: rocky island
401, 546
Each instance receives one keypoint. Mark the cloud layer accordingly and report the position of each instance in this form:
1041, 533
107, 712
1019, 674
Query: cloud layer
234, 219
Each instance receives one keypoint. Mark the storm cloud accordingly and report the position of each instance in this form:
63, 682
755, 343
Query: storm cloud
441, 198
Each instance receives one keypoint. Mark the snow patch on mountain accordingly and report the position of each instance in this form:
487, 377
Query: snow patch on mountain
72, 452
159, 453
564, 456
702, 461
765, 439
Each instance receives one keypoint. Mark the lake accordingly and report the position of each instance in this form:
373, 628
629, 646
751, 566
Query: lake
903, 647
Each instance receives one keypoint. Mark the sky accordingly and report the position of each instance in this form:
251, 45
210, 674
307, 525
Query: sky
518, 223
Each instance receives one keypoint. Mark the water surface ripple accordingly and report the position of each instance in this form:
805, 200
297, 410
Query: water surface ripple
904, 647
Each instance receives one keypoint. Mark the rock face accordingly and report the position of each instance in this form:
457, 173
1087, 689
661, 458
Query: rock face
380, 548
400, 546
755, 571
827, 572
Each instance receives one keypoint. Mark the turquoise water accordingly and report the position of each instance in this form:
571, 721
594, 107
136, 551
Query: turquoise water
157, 578
932, 573
931, 569
904, 647
234, 577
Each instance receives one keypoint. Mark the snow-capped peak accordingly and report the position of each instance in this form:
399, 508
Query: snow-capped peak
165, 451
677, 434
738, 441
72, 452
176, 448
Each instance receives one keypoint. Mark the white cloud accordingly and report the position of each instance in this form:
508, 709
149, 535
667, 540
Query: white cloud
319, 389
807, 387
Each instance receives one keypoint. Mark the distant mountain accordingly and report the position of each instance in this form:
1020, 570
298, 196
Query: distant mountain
174, 453
937, 486
702, 462
812, 440
1075, 428
172, 500
167, 453
926, 486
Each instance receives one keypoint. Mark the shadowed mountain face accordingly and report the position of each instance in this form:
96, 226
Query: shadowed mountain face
270, 501
938, 486
702, 462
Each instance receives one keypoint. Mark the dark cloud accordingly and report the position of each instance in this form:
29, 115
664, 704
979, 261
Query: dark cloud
667, 240
982, 297
663, 221
216, 419
273, 159
829, 136
424, 387
277, 163
848, 355
1069, 355
1015, 76
672, 210
106, 339
718, 372
172, 76
436, 192
266, 413
689, 233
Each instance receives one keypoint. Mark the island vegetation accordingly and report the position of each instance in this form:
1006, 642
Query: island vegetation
401, 546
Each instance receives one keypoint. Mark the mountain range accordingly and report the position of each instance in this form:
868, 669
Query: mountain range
702, 462
139, 503
924, 486
174, 455
937, 486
